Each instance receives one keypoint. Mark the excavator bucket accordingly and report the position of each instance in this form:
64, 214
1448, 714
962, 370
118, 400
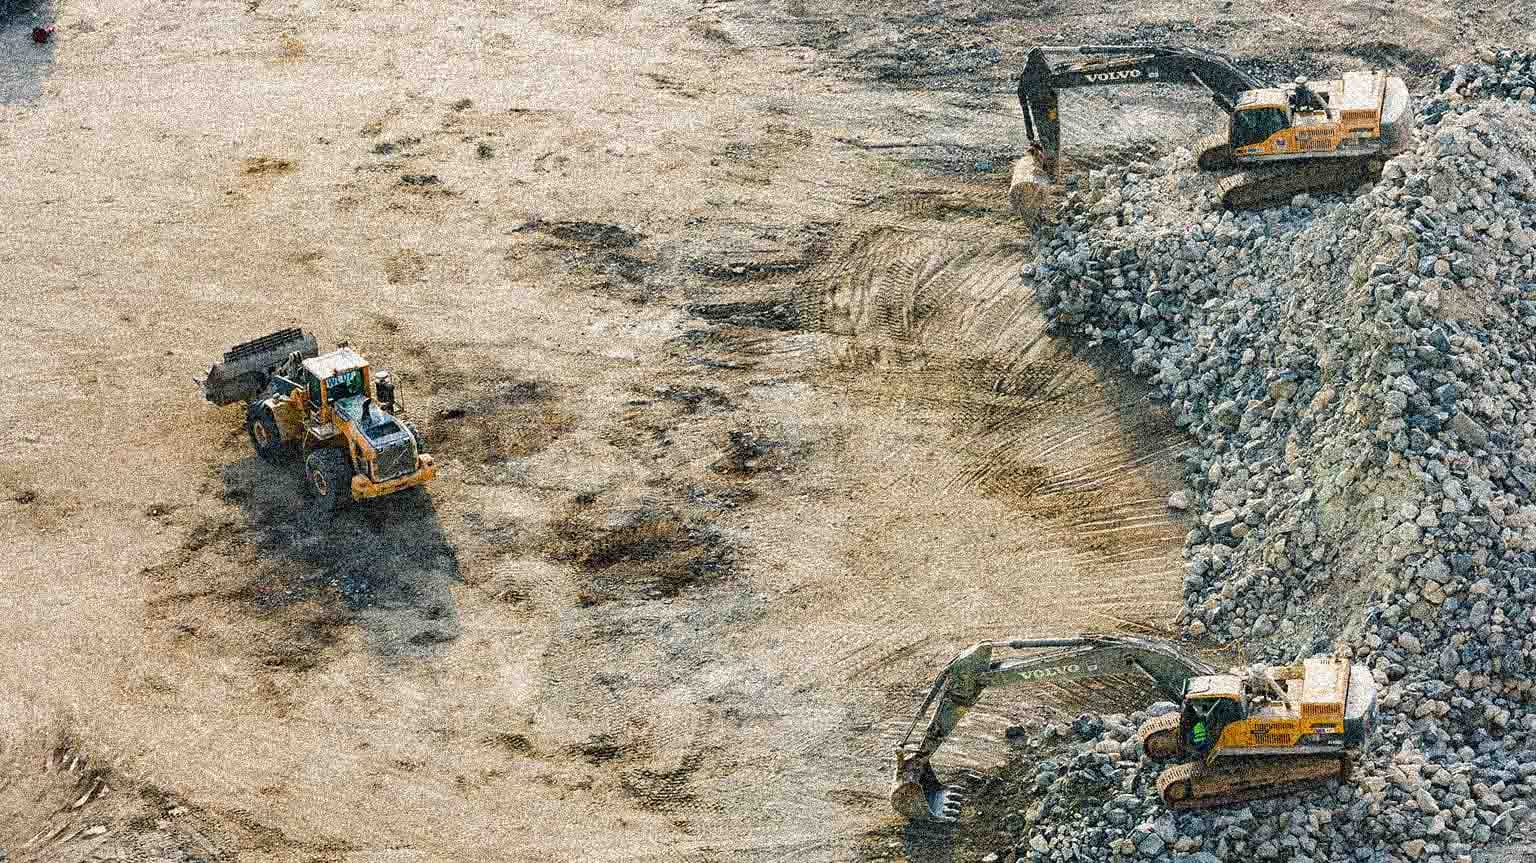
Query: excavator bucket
247, 367
1029, 191
918, 795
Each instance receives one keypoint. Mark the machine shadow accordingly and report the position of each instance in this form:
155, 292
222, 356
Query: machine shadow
384, 565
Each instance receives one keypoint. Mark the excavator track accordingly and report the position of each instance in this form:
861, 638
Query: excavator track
1273, 185
1158, 737
1213, 153
1198, 786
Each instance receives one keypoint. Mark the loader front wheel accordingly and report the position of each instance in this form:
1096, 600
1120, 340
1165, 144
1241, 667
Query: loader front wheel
266, 438
330, 479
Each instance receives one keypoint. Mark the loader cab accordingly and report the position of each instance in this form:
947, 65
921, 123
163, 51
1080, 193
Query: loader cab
334, 378
1258, 116
1216, 701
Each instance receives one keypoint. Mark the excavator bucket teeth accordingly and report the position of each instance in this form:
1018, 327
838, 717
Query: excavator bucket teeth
247, 367
918, 794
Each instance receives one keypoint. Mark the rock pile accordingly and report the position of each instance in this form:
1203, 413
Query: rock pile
1358, 375
1496, 74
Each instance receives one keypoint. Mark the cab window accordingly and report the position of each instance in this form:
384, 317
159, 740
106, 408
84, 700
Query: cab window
344, 385
1255, 125
312, 383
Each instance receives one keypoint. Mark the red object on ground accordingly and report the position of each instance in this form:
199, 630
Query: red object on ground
41, 35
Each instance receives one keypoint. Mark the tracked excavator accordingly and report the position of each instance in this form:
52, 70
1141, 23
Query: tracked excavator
1281, 140
1251, 733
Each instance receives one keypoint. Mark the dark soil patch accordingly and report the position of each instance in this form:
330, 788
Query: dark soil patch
749, 454
746, 270
651, 551
300, 578
506, 419
386, 148
599, 748
722, 497
592, 234
1390, 55
667, 789
265, 166
768, 314
695, 400
515, 744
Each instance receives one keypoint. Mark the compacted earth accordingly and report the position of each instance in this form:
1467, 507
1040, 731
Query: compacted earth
713, 313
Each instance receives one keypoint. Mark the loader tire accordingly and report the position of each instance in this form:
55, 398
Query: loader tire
421, 439
330, 479
266, 438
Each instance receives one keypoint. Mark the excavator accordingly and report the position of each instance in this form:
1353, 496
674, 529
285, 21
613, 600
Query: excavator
1251, 733
1282, 140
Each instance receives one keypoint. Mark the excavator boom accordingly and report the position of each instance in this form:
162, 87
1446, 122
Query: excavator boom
918, 792
1099, 65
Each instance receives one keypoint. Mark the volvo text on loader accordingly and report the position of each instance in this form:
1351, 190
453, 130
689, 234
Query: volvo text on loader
332, 408
1283, 140
1265, 731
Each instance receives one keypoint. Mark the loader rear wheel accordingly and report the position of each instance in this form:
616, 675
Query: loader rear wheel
330, 479
266, 438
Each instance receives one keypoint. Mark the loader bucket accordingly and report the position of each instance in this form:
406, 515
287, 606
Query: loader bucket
247, 367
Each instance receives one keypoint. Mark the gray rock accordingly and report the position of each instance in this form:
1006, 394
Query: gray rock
1150, 846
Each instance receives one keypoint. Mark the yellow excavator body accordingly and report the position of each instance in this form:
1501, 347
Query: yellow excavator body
1267, 730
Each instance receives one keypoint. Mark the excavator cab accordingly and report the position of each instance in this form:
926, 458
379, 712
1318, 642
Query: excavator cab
1256, 123
1210, 705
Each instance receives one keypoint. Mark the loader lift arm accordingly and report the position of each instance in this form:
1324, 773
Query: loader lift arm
917, 792
1116, 64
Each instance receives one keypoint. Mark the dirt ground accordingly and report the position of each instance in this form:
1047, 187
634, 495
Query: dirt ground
711, 312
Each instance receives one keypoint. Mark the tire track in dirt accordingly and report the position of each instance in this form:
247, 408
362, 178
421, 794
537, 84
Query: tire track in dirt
988, 482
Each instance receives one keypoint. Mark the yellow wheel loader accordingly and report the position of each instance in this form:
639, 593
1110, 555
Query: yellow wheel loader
345, 420
1258, 732
1282, 140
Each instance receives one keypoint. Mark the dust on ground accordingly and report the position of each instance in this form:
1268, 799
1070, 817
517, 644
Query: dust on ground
745, 426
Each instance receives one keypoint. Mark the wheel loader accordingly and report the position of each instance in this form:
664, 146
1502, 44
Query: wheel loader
333, 409
1243, 735
1281, 140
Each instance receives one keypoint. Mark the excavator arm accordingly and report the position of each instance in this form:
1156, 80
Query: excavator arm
919, 794
1102, 65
